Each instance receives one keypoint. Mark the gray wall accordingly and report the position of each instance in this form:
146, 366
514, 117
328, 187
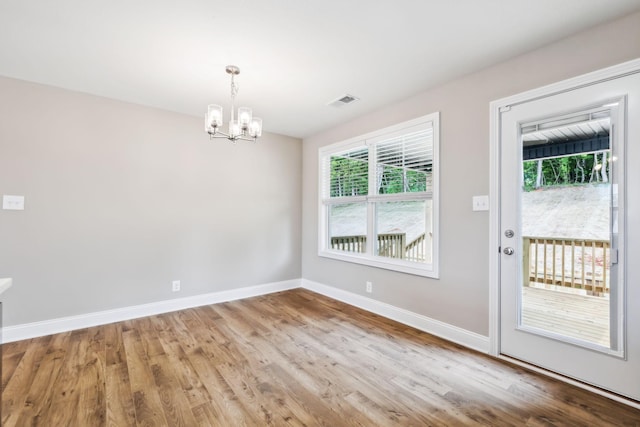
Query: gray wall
122, 199
461, 296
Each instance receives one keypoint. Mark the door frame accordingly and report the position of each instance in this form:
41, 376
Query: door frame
609, 73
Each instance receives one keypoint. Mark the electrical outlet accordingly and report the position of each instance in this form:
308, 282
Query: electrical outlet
369, 287
175, 285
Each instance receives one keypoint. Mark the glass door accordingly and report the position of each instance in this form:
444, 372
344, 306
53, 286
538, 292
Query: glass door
568, 301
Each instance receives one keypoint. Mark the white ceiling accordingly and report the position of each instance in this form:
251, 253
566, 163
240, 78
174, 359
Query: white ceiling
295, 56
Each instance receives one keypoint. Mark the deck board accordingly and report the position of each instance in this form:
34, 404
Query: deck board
577, 316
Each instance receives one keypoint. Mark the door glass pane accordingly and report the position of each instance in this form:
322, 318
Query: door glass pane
566, 227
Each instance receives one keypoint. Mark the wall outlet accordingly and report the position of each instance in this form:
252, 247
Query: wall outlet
175, 285
369, 287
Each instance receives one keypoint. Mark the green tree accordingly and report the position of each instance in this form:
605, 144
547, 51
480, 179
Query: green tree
349, 176
567, 170
402, 180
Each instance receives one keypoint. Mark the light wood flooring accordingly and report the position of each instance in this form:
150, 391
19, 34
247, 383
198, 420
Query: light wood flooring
288, 359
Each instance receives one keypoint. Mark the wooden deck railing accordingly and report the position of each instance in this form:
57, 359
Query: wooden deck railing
416, 250
571, 263
349, 243
391, 245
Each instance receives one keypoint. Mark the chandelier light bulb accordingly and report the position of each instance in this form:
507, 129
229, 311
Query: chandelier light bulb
234, 129
255, 129
244, 117
215, 115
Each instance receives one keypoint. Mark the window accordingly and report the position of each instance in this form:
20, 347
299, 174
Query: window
379, 198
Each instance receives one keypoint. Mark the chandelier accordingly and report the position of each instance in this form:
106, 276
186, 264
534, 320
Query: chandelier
243, 127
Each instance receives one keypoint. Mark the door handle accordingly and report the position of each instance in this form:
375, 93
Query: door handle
508, 251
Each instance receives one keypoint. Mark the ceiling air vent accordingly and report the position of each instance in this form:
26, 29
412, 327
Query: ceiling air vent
343, 100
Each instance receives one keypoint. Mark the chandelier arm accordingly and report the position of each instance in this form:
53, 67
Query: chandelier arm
244, 138
218, 134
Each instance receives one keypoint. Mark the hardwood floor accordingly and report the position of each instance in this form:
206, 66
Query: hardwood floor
288, 359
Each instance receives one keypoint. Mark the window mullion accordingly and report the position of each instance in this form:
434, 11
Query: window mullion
373, 185
371, 206
343, 200
396, 197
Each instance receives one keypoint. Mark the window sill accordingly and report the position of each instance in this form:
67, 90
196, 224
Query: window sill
424, 270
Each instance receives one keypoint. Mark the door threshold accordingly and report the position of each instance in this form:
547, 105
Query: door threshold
593, 389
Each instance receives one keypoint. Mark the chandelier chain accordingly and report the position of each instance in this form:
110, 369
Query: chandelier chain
234, 87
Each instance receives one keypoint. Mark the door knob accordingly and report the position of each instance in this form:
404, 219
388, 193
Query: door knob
508, 251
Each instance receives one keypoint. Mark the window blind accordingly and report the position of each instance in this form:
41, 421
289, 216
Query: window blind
405, 163
349, 173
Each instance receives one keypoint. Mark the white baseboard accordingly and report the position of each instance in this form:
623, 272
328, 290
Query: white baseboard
435, 327
423, 323
64, 324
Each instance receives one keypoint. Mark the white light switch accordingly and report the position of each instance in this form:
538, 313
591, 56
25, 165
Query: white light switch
13, 203
480, 203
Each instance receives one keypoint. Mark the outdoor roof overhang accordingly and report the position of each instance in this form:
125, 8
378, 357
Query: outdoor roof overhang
565, 148
553, 139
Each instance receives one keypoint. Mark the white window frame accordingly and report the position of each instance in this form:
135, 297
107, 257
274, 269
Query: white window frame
368, 258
